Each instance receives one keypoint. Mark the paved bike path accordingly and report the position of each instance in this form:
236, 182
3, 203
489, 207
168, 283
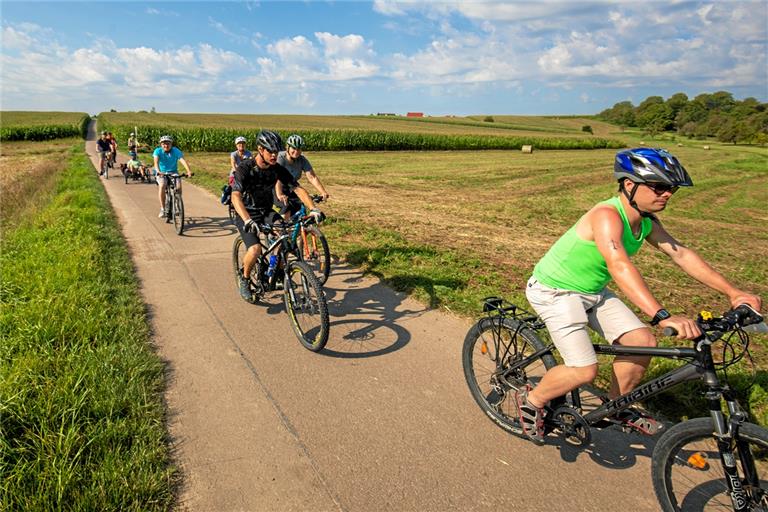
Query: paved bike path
381, 420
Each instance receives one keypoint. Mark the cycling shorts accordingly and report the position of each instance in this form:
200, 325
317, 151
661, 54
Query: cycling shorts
293, 204
567, 314
259, 217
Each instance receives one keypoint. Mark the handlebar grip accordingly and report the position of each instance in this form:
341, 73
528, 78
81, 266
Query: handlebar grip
669, 331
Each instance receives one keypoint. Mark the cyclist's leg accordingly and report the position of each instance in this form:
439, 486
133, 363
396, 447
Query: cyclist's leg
161, 190
614, 321
251, 241
564, 313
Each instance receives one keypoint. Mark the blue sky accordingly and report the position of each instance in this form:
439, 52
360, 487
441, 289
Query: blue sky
354, 57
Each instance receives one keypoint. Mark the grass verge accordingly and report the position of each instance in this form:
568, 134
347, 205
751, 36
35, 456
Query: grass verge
81, 413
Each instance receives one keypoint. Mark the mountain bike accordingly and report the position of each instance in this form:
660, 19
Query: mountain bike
311, 245
720, 461
174, 204
302, 293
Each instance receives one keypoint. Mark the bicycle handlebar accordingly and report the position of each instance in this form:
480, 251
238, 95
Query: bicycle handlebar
741, 316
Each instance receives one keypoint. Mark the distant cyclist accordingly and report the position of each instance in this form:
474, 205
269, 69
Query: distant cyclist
104, 147
113, 146
568, 286
235, 159
132, 144
167, 158
257, 178
297, 164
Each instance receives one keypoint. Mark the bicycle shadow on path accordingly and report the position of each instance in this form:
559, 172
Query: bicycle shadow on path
366, 321
208, 227
610, 448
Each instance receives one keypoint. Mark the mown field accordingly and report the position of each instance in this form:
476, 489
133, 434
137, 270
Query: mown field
82, 420
452, 227
209, 132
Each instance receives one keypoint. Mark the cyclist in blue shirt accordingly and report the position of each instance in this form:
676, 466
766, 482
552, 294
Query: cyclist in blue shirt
167, 158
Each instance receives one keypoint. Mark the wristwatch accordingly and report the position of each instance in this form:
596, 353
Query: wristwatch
660, 315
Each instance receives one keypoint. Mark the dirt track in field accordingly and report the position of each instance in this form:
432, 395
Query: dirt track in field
380, 420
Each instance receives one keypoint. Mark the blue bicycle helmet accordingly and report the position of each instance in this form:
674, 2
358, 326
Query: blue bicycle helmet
646, 165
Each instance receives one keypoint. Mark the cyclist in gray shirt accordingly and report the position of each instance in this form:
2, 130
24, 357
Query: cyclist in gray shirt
297, 164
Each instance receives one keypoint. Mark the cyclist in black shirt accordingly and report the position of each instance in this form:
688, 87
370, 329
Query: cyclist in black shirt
255, 178
103, 146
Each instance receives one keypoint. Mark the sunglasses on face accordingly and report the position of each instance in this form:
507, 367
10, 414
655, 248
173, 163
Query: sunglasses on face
268, 151
660, 188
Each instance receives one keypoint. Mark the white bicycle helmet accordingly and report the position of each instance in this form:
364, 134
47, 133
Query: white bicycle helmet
240, 139
166, 138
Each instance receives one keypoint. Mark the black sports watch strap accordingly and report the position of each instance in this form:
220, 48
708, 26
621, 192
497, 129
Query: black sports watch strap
660, 315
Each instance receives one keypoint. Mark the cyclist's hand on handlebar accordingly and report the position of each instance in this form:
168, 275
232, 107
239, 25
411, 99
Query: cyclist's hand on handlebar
317, 215
746, 298
686, 328
250, 226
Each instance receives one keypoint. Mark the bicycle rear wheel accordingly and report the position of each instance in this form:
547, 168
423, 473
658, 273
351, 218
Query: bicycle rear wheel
178, 213
491, 348
315, 252
687, 472
306, 306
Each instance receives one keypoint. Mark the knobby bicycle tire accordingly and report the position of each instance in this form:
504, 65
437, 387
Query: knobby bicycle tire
178, 213
316, 254
485, 355
306, 306
687, 473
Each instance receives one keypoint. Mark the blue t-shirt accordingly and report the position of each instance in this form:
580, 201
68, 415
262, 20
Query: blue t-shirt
168, 162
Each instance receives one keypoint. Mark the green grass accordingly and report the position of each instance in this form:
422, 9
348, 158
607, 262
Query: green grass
81, 412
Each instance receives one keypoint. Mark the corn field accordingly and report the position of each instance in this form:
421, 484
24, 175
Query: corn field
43, 125
221, 139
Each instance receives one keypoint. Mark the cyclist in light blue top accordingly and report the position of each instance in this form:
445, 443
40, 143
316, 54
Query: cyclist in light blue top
167, 158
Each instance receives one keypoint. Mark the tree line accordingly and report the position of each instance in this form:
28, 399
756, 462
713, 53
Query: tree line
716, 115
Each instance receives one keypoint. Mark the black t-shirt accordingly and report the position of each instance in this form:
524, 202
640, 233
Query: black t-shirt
103, 145
257, 184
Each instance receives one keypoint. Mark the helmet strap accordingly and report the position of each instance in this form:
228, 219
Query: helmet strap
631, 199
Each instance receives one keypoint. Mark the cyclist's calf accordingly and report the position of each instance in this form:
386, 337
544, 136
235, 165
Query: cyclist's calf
628, 371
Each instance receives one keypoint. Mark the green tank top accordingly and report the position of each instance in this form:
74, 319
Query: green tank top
575, 264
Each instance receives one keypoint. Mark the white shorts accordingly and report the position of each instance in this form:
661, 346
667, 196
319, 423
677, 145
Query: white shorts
568, 313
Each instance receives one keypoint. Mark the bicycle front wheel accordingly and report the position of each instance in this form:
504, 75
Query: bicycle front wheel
492, 352
315, 252
687, 472
306, 306
178, 213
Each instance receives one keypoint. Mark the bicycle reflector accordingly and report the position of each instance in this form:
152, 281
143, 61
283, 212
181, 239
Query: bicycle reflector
484, 348
698, 461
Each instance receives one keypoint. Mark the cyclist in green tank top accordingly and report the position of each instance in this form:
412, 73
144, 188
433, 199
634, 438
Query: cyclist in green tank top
568, 287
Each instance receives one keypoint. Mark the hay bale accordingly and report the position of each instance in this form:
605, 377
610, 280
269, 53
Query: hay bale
706, 147
679, 144
642, 143
527, 149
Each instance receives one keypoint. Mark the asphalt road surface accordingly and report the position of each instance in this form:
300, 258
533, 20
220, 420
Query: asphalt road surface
380, 420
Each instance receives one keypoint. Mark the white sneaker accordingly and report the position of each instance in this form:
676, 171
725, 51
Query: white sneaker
161, 214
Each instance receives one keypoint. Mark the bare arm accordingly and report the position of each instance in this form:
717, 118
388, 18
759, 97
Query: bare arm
608, 228
315, 181
186, 166
305, 197
695, 266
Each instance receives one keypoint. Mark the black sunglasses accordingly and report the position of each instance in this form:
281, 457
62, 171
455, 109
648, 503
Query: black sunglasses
660, 188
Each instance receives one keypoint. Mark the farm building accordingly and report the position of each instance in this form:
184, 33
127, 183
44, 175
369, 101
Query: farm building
415, 114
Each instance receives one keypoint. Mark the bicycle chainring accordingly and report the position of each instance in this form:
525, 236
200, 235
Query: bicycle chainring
572, 425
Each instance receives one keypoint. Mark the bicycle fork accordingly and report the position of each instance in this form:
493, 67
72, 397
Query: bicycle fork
727, 436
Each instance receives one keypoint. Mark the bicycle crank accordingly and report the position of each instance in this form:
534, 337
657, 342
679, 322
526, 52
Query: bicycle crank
572, 425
